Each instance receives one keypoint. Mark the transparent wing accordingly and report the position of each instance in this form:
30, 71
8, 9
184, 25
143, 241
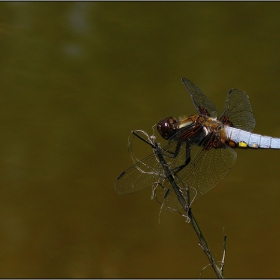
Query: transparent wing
207, 168
238, 110
149, 172
139, 176
201, 102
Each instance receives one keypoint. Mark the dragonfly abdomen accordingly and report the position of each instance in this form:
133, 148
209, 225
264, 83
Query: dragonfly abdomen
244, 139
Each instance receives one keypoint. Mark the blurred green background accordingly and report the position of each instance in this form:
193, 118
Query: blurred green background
75, 79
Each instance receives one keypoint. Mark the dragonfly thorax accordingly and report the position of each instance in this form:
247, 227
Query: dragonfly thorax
212, 124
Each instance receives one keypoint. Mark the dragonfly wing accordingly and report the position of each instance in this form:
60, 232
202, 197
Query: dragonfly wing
149, 172
139, 176
238, 110
207, 168
201, 102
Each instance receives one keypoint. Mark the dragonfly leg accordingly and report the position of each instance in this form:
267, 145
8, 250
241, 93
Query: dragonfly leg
187, 160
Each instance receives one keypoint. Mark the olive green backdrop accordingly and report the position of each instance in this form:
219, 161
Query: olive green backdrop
75, 79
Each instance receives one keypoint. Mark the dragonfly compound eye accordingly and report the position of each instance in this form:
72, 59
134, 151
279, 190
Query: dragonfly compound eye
167, 127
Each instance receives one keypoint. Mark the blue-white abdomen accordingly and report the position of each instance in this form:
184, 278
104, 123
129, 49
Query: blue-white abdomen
244, 139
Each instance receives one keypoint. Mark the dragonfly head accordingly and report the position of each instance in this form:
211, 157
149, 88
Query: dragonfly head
167, 127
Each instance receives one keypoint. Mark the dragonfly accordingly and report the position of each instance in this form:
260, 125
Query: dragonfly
200, 149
